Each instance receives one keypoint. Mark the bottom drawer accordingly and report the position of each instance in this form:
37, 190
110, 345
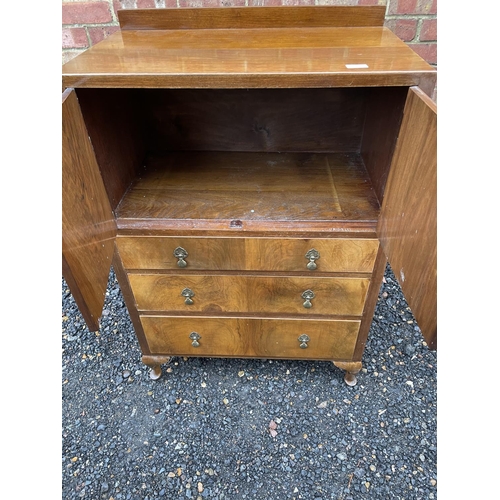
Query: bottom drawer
250, 337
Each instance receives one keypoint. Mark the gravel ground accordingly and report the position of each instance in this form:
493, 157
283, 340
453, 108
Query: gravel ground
247, 429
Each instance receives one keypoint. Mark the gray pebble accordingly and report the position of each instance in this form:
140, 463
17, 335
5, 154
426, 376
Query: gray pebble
111, 430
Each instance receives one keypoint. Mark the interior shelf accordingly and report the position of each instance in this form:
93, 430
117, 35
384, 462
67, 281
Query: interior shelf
254, 191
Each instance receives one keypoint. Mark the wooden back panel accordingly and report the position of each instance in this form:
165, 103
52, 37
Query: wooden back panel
313, 120
252, 17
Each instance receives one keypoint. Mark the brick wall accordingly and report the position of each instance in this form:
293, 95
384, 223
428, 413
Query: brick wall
87, 22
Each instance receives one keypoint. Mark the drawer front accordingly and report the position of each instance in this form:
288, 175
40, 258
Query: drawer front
250, 254
312, 255
151, 252
249, 337
249, 294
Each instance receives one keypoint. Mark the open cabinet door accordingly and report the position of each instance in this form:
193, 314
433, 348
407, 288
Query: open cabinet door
407, 227
88, 224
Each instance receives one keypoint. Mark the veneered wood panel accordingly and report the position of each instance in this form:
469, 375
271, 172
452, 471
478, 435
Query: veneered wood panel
203, 253
384, 112
333, 296
251, 337
249, 294
370, 303
249, 58
251, 17
335, 255
408, 221
116, 133
88, 225
249, 254
128, 298
212, 190
312, 120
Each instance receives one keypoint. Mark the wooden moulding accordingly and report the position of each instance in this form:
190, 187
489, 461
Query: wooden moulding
344, 78
251, 17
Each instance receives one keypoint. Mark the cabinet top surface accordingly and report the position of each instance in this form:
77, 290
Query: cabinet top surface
248, 57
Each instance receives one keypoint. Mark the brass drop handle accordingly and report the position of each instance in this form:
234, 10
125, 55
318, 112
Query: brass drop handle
181, 254
188, 293
303, 339
308, 295
194, 336
312, 255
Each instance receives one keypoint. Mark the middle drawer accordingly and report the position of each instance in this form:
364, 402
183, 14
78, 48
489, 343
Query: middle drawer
249, 294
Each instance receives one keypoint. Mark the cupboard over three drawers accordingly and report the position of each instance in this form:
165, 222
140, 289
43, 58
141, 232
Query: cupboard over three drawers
248, 172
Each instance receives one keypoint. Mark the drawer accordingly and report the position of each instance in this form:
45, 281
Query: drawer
250, 337
250, 254
217, 294
151, 252
312, 255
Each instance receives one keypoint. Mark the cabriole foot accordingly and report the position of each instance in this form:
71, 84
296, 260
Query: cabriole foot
351, 368
155, 362
155, 372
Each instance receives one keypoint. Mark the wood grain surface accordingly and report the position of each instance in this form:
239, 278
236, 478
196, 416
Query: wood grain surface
211, 190
312, 120
248, 58
384, 112
88, 224
372, 297
113, 122
128, 298
258, 124
251, 17
203, 253
251, 337
248, 254
408, 222
220, 294
336, 255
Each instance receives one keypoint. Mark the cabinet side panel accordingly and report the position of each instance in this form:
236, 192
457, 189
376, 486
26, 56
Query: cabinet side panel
116, 133
370, 304
129, 300
384, 112
88, 224
408, 221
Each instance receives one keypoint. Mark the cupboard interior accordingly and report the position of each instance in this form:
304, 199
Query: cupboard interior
216, 153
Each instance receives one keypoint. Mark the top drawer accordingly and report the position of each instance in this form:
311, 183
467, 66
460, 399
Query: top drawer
320, 255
